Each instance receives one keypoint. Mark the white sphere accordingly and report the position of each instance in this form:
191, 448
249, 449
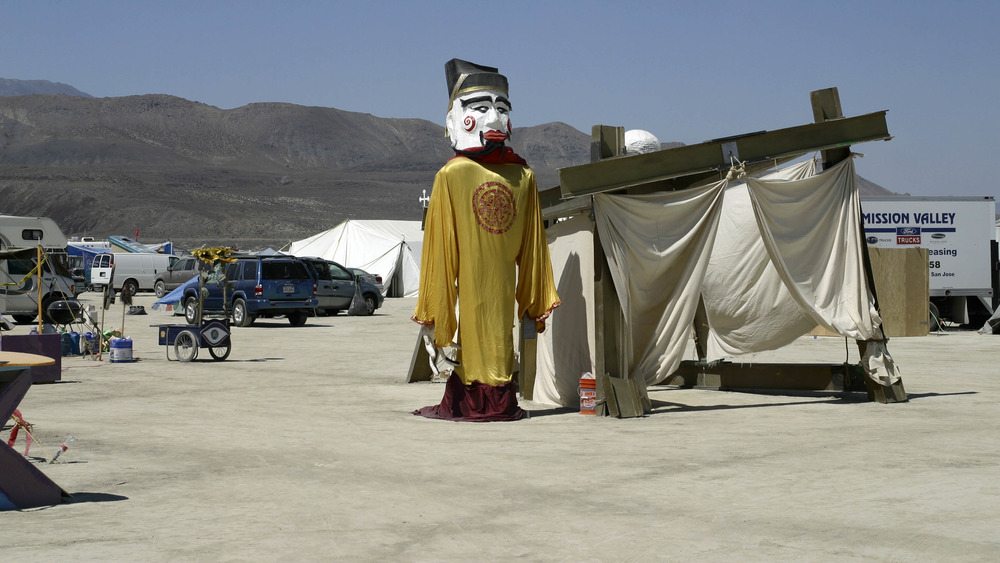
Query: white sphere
638, 141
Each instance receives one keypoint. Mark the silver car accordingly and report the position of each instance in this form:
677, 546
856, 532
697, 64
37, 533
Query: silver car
335, 287
373, 279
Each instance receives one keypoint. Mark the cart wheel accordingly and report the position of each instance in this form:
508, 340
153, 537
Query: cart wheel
220, 353
186, 346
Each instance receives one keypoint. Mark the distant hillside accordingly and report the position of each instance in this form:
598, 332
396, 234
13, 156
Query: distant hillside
259, 175
12, 87
255, 176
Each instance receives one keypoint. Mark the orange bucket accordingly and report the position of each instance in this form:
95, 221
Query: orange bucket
588, 395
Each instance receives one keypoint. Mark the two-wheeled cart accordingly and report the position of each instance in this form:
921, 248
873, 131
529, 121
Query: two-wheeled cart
186, 339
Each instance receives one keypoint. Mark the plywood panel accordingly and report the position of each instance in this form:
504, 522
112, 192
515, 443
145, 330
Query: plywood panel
902, 281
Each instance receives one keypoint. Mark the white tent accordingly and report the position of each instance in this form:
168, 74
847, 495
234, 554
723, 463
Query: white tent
390, 249
770, 259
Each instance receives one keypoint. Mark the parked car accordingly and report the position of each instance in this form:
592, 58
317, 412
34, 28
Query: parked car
373, 279
259, 287
335, 287
179, 271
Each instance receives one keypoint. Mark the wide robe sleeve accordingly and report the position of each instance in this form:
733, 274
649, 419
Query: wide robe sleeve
439, 265
536, 289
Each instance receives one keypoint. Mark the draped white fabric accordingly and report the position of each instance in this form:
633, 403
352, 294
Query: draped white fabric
813, 233
771, 258
658, 248
749, 308
566, 348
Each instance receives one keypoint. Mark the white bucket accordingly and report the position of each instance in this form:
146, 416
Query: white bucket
121, 350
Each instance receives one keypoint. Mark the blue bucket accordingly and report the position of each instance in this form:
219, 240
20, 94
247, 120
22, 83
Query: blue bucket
91, 339
121, 350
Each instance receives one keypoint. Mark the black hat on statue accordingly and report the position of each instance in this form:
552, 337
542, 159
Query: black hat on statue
464, 77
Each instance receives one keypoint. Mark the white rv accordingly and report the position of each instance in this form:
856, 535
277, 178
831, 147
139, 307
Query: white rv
21, 295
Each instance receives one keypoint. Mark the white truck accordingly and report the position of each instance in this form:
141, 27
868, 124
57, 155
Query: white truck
20, 293
959, 233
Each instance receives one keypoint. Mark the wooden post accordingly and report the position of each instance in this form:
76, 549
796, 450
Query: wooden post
826, 107
604, 144
529, 353
617, 395
606, 141
38, 266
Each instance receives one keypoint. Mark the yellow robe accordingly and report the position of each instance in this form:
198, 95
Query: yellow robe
484, 240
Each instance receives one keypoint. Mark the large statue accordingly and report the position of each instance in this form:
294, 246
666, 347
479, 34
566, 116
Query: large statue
484, 249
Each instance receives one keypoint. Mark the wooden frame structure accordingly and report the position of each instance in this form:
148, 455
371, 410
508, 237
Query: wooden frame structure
675, 169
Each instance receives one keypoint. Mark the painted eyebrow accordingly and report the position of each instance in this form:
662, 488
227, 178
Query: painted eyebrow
477, 99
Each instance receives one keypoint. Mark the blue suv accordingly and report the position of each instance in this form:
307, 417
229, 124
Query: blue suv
258, 287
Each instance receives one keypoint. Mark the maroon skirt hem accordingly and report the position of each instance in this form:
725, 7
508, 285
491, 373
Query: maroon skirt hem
477, 402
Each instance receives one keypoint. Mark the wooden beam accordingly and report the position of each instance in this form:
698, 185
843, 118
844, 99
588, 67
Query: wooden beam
420, 367
769, 376
554, 207
629, 172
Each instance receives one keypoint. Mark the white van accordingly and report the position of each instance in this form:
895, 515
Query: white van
135, 269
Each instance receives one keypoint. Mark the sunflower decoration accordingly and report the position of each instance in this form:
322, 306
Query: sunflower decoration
214, 254
212, 267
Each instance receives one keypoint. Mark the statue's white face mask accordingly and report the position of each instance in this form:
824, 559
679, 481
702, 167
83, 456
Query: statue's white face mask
478, 117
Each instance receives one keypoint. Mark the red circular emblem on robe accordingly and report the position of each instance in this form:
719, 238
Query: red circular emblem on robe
493, 204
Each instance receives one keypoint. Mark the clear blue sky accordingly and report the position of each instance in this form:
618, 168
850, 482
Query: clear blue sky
686, 71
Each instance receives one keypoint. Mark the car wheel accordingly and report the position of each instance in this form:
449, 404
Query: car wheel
160, 289
298, 318
240, 315
191, 310
369, 305
24, 319
131, 286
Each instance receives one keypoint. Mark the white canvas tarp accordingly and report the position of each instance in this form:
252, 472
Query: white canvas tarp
786, 245
567, 345
390, 249
751, 310
658, 248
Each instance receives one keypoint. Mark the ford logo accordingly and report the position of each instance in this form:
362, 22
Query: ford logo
872, 240
938, 236
908, 231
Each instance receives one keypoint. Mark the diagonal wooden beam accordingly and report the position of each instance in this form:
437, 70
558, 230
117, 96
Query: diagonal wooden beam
634, 171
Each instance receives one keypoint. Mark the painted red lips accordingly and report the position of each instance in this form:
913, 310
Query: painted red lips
495, 136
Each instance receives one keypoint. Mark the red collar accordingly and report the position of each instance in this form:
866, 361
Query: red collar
506, 156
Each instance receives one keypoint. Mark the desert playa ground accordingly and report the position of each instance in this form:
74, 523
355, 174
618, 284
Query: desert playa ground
301, 447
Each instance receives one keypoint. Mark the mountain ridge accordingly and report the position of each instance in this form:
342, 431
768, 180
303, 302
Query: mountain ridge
259, 175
